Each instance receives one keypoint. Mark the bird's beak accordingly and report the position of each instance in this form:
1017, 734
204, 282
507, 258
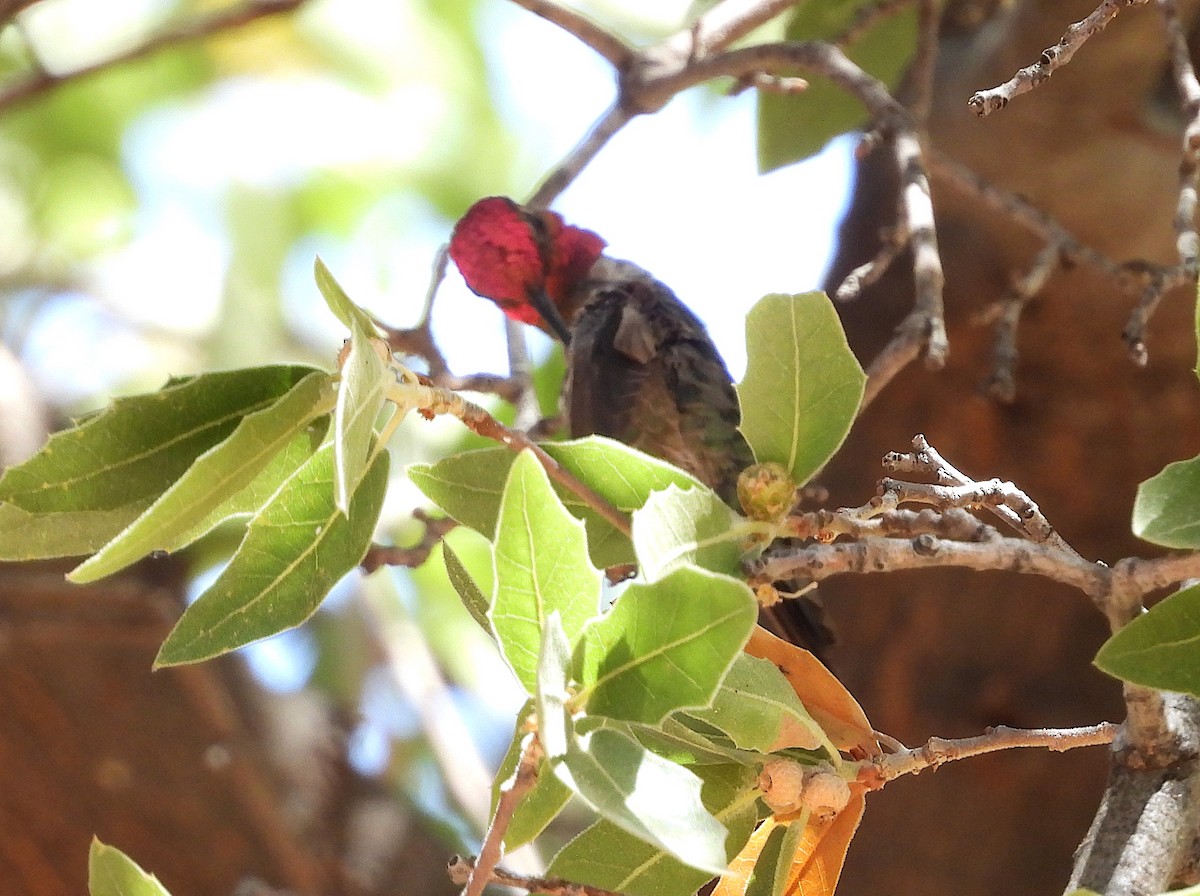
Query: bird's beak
549, 312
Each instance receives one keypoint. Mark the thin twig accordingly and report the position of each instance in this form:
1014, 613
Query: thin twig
460, 868
604, 42
194, 29
1052, 59
866, 18
393, 555
919, 81
894, 241
511, 793
720, 26
561, 176
418, 342
1021, 514
937, 751
432, 400
1002, 384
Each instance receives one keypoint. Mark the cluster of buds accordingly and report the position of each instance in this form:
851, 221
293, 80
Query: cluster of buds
789, 787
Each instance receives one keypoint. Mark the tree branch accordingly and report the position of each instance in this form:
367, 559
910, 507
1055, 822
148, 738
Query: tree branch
618, 53
511, 793
195, 29
460, 870
937, 751
1052, 59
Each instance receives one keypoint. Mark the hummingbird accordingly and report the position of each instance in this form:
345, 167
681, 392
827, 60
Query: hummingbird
641, 367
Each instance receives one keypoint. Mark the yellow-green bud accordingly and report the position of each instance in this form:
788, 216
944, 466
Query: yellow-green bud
766, 491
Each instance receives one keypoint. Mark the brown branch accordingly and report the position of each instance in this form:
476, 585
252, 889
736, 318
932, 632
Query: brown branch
561, 176
1002, 384
937, 751
866, 18
604, 42
1053, 58
435, 400
393, 555
894, 241
1018, 511
194, 29
418, 342
722, 25
511, 793
460, 869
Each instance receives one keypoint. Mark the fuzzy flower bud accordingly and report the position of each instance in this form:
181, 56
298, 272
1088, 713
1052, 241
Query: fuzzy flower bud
789, 787
766, 491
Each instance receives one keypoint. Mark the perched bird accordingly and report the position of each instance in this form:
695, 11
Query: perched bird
641, 367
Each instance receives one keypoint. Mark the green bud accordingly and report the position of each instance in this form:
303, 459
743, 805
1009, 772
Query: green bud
766, 491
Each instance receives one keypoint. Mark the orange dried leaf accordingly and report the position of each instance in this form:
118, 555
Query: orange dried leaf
822, 851
737, 877
826, 699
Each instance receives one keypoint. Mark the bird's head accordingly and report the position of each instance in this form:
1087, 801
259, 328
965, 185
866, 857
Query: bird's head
525, 261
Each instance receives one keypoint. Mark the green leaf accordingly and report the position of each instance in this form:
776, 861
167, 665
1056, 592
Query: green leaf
362, 390
296, 548
69, 533
468, 487
216, 476
542, 803
606, 856
468, 589
650, 797
541, 564
339, 303
1161, 648
112, 873
1167, 508
677, 527
752, 705
249, 500
802, 386
551, 692
792, 127
138, 446
664, 646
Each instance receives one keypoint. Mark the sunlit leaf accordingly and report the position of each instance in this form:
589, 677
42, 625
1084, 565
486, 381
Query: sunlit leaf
802, 386
758, 709
792, 127
605, 856
650, 797
342, 306
1161, 648
112, 873
362, 390
296, 548
664, 646
215, 477
1167, 508
468, 487
677, 527
824, 697
69, 533
551, 693
138, 446
541, 564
